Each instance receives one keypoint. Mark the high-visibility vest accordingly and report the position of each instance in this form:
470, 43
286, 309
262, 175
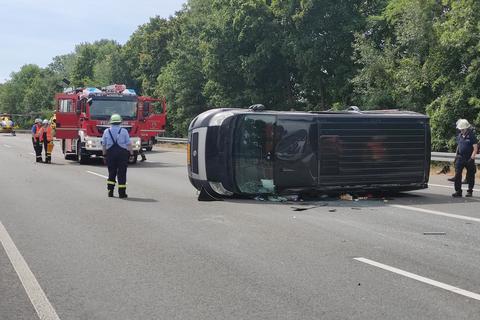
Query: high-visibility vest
37, 133
49, 133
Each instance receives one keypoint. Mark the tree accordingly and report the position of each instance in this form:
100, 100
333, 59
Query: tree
146, 53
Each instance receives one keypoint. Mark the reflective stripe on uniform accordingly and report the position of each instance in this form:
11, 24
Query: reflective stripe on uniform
111, 182
120, 186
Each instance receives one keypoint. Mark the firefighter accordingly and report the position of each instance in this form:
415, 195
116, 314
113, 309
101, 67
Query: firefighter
36, 139
117, 148
46, 138
467, 149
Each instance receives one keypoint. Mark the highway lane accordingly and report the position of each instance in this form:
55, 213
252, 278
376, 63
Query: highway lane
163, 254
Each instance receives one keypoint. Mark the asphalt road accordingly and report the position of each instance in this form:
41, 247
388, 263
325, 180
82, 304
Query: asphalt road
161, 254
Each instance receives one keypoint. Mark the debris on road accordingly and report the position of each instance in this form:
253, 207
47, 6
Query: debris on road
434, 233
310, 207
346, 196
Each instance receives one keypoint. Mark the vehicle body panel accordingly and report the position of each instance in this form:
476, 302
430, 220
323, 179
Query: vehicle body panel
247, 153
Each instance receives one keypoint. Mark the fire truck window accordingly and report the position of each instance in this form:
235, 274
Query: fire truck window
157, 107
65, 106
146, 109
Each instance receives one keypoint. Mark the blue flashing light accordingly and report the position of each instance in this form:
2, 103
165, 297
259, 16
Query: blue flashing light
129, 92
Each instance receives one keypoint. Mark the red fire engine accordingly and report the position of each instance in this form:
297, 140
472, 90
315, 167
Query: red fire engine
83, 114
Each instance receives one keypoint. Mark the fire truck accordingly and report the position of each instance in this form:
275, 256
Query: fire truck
83, 114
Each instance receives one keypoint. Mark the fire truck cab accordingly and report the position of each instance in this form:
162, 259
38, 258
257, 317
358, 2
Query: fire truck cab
83, 114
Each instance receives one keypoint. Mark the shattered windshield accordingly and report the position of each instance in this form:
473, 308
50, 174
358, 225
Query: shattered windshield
253, 152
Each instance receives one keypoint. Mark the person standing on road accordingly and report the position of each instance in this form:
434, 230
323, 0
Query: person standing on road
467, 149
117, 148
46, 138
37, 147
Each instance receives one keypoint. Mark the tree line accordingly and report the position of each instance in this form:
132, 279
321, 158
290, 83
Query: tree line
418, 55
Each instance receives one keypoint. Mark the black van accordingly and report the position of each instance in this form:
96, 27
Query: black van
250, 152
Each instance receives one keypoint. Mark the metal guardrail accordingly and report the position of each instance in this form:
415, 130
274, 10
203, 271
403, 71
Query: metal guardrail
172, 140
448, 157
436, 156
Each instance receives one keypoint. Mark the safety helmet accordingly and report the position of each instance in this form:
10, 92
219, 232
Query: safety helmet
463, 124
115, 118
38, 120
45, 121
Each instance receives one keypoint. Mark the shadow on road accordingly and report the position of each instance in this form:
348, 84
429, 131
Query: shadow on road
140, 199
149, 164
406, 198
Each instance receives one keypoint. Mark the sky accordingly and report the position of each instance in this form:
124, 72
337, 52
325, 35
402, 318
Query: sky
35, 31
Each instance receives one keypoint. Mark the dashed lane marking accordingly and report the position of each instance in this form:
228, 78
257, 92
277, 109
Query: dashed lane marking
97, 174
438, 213
43, 307
414, 276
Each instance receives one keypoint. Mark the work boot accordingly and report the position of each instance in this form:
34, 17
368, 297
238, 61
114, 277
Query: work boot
469, 194
457, 195
122, 193
110, 193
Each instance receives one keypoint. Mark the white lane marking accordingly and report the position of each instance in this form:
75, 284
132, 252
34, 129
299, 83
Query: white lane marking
97, 174
438, 213
7, 146
442, 186
33, 154
38, 298
431, 282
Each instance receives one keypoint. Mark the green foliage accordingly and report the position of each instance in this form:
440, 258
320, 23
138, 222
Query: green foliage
28, 94
419, 55
422, 55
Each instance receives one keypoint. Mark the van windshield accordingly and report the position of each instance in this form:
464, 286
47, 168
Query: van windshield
252, 154
102, 109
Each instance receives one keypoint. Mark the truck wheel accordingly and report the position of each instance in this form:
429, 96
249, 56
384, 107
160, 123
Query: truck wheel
133, 159
67, 156
82, 156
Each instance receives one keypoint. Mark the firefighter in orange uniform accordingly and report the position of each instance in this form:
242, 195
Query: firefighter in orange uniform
46, 137
36, 139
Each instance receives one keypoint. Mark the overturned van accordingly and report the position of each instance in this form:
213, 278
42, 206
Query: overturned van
251, 152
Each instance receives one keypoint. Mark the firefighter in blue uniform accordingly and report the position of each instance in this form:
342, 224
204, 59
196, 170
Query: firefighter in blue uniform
117, 148
466, 151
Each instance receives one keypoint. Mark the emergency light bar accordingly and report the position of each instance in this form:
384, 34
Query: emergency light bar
91, 90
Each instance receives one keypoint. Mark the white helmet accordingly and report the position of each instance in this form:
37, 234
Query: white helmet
45, 121
463, 124
38, 120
